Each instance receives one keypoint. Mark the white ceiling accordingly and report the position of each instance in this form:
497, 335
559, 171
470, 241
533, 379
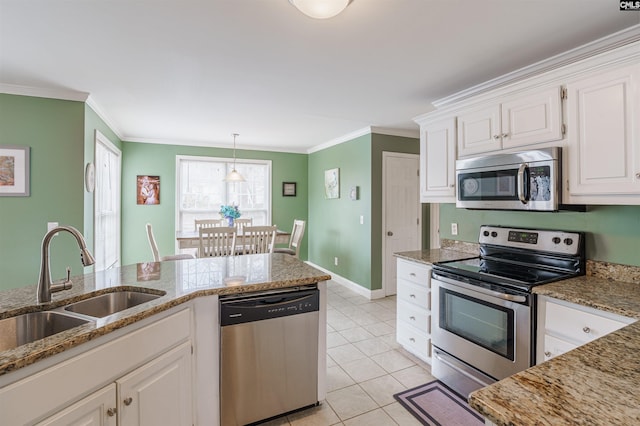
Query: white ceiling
195, 71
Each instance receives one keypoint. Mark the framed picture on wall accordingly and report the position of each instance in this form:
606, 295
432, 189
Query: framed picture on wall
332, 183
148, 190
288, 189
14, 171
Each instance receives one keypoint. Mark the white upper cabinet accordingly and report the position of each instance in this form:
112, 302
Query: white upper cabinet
524, 120
437, 161
604, 137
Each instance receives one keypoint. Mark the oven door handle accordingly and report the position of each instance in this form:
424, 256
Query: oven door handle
504, 296
521, 181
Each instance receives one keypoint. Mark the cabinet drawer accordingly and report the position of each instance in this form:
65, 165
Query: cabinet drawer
413, 293
413, 316
415, 342
554, 347
414, 272
577, 325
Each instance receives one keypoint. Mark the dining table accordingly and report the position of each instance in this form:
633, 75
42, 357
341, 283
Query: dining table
191, 239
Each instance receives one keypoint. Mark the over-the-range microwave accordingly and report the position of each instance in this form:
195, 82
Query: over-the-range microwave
529, 180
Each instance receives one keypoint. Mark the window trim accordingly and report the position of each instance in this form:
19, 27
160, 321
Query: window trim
206, 158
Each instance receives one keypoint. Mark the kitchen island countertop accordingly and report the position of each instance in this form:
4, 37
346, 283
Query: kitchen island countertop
180, 281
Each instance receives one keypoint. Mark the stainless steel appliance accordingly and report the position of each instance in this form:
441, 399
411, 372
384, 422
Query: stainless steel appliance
268, 354
529, 180
483, 311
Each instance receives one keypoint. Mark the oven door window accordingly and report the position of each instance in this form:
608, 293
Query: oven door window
489, 185
485, 324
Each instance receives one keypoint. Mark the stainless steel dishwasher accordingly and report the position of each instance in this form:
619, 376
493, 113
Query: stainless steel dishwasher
268, 354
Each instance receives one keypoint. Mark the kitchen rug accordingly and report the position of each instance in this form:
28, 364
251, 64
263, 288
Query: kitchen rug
434, 404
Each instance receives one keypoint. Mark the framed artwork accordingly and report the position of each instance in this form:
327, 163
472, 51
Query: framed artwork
148, 190
288, 189
14, 171
332, 183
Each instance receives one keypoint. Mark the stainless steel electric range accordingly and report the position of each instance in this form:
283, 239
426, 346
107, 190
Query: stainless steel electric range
483, 311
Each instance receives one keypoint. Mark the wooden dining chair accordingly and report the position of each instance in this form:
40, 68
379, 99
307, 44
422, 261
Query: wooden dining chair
209, 223
156, 252
258, 239
240, 224
294, 241
217, 241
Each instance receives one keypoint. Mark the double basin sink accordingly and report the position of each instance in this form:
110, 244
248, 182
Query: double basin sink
26, 328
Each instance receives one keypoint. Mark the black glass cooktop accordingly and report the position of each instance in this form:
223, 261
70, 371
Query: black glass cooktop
521, 276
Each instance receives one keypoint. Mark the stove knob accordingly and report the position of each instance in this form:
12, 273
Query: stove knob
568, 241
556, 240
485, 233
494, 234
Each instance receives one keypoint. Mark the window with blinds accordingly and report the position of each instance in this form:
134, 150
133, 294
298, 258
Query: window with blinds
201, 189
107, 204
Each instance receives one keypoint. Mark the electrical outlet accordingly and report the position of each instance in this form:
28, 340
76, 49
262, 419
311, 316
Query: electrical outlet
335, 261
51, 225
454, 229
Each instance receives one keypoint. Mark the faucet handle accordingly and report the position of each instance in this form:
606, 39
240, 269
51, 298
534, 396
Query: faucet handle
65, 284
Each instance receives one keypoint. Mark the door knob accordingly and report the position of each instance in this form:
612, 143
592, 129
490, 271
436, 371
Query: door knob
128, 401
111, 412
389, 233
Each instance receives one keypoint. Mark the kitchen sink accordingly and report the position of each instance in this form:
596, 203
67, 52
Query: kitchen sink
26, 328
110, 303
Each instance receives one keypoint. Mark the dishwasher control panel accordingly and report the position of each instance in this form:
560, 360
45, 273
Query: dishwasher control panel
258, 307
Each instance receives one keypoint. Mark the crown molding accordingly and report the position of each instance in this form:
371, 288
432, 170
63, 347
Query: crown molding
404, 133
212, 144
39, 92
103, 116
340, 139
604, 44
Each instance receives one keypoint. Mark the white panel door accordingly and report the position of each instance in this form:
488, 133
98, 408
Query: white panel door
158, 393
97, 409
402, 221
604, 133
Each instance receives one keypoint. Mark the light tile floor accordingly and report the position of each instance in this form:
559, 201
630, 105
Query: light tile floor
365, 365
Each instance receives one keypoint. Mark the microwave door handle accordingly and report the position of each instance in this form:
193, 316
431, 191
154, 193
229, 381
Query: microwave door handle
521, 182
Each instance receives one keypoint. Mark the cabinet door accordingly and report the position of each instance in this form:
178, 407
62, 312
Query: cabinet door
479, 131
532, 119
158, 393
604, 133
437, 162
97, 409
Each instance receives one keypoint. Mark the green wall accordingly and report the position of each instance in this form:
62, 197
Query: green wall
54, 129
335, 229
613, 232
160, 160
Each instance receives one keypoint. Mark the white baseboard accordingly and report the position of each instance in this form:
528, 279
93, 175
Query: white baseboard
369, 294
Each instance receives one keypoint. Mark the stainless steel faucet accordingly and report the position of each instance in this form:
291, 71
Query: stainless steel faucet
45, 287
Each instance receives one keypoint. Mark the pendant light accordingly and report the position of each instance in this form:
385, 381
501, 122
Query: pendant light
234, 176
320, 9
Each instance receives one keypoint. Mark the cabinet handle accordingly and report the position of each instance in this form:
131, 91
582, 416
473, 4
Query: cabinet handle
504, 135
637, 175
128, 401
496, 137
411, 339
412, 318
451, 186
413, 274
586, 330
111, 412
547, 354
413, 296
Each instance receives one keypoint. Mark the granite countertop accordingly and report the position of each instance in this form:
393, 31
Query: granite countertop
180, 281
429, 257
594, 384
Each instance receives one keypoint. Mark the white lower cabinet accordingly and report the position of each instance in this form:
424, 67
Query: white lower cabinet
97, 409
143, 377
413, 326
563, 326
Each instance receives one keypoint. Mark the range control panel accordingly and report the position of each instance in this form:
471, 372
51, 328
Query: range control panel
551, 241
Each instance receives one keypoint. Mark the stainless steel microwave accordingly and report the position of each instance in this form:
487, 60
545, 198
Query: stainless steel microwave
529, 180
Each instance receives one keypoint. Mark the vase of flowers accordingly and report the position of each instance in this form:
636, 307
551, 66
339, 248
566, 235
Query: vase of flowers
230, 212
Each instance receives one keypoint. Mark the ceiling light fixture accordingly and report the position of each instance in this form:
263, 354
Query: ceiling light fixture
320, 9
234, 176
